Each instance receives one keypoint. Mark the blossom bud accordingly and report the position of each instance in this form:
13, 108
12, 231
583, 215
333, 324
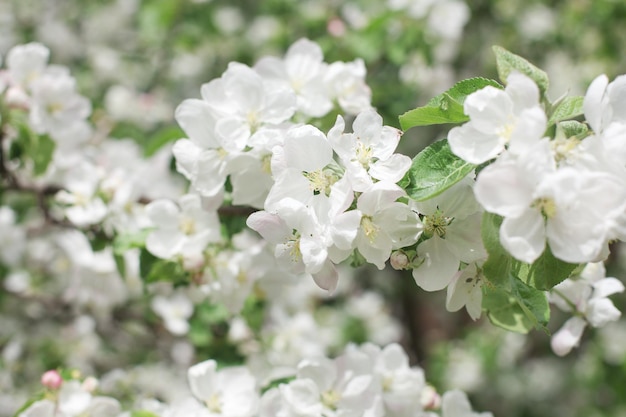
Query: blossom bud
431, 400
90, 384
399, 260
51, 379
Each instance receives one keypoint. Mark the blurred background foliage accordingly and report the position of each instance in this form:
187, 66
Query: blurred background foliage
137, 59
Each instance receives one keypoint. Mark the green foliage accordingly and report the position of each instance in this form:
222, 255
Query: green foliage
434, 170
38, 148
209, 334
446, 107
507, 62
153, 269
514, 297
498, 264
519, 310
127, 241
37, 397
568, 108
142, 413
543, 274
546, 272
161, 138
276, 382
572, 128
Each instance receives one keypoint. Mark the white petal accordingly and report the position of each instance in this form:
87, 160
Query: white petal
439, 267
196, 119
455, 404
270, 226
601, 311
489, 109
501, 188
163, 213
606, 287
307, 149
391, 169
474, 146
568, 336
524, 236
523, 91
592, 103
202, 379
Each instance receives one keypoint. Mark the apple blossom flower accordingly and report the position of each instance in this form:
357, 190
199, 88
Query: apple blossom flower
175, 311
386, 224
452, 222
585, 297
184, 229
576, 211
301, 70
368, 153
499, 119
346, 81
455, 404
466, 289
229, 392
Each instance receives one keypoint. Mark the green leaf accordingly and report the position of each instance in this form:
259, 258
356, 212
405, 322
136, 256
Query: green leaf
276, 382
533, 302
572, 128
520, 310
507, 62
543, 274
504, 311
546, 272
126, 241
153, 269
446, 107
497, 267
161, 138
37, 397
42, 154
434, 170
567, 109
142, 413
38, 148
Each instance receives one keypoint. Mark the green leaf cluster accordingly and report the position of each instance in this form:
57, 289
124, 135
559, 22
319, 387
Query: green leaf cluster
434, 170
446, 107
515, 297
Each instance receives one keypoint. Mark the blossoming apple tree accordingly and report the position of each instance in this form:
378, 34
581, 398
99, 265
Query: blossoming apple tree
515, 210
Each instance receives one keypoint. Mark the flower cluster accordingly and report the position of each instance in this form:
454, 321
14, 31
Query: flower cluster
568, 190
365, 380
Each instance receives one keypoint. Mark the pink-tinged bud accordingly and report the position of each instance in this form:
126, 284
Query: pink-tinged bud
399, 260
430, 399
90, 384
336, 27
51, 379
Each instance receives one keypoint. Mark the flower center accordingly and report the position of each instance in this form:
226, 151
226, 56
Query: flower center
320, 181
214, 404
436, 224
564, 148
266, 164
506, 131
187, 226
369, 227
330, 399
364, 155
546, 206
294, 247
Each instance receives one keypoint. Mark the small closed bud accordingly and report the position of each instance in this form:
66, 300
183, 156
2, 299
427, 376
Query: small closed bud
90, 384
399, 260
431, 400
51, 379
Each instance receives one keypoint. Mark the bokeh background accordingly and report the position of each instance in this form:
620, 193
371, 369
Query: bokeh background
138, 59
